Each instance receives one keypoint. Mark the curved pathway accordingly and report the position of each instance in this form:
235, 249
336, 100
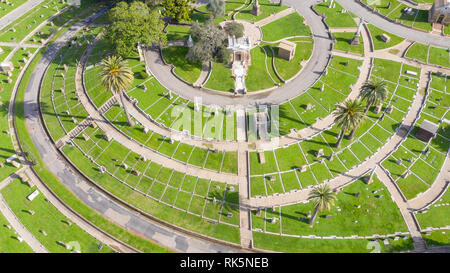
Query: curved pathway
397, 29
357, 171
18, 12
439, 186
133, 145
310, 73
9, 215
76, 183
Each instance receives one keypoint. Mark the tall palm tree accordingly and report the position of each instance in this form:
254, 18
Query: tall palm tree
373, 92
117, 77
347, 117
323, 198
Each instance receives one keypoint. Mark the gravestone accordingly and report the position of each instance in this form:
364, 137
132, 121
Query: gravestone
398, 161
303, 168
389, 109
385, 38
256, 11
136, 172
258, 212
330, 158
319, 153
378, 108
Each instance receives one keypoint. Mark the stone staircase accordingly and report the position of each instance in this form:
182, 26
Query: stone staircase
107, 105
85, 123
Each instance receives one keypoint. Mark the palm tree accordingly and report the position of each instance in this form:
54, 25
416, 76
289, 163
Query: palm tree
117, 77
347, 117
373, 92
323, 198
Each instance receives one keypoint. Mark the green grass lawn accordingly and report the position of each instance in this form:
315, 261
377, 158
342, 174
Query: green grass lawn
287, 26
221, 78
343, 42
419, 52
30, 20
257, 76
334, 16
288, 69
177, 32
437, 238
439, 56
267, 8
378, 43
55, 185
299, 245
187, 70
8, 239
437, 213
12, 5
47, 218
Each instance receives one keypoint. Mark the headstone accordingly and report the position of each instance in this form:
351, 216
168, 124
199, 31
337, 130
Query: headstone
385, 38
398, 161
319, 153
229, 214
357, 194
308, 106
258, 212
15, 164
272, 178
378, 108
303, 168
273, 220
136, 172
330, 158
389, 109
405, 174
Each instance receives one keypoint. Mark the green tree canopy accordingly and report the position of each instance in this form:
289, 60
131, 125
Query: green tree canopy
217, 7
373, 92
179, 10
117, 76
348, 116
209, 43
132, 24
323, 198
234, 28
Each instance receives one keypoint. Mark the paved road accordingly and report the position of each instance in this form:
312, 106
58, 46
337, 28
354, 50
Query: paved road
399, 30
73, 181
310, 74
18, 12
